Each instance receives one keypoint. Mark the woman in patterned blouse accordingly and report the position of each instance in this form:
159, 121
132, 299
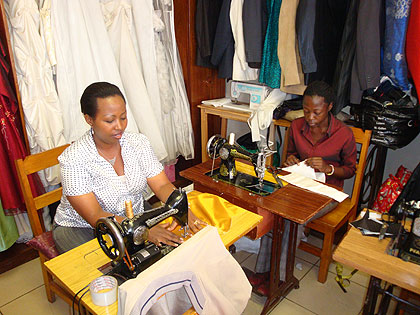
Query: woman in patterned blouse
106, 167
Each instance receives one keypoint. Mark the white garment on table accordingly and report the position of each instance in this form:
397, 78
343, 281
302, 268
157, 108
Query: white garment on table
42, 111
241, 70
212, 278
84, 55
119, 22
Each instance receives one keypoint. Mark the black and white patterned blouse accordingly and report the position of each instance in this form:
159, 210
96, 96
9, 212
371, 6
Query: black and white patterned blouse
83, 171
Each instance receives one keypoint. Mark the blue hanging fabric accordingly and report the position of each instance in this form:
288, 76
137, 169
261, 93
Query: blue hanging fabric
394, 61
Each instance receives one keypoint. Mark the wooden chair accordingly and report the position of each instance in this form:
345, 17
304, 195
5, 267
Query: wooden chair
345, 212
31, 164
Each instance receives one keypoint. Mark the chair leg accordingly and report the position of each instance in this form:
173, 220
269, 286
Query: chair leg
326, 255
47, 280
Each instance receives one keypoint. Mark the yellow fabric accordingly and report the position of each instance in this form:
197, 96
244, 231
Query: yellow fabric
249, 169
213, 210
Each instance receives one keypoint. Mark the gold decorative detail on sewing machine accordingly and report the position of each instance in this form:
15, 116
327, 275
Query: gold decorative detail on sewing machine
229, 151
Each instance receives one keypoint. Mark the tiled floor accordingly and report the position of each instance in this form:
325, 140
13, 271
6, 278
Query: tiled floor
22, 291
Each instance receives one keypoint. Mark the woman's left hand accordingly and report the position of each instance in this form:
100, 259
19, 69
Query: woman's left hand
318, 164
194, 223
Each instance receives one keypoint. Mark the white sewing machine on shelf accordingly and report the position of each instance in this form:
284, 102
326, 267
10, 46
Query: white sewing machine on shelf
251, 93
244, 96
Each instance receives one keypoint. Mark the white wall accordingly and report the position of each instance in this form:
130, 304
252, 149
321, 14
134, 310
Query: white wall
409, 156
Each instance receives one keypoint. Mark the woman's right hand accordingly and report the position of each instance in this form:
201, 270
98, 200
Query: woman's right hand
291, 160
162, 233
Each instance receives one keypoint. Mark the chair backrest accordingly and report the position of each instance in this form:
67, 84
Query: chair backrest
362, 138
31, 164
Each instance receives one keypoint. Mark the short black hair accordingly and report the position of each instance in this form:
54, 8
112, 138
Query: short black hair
96, 90
322, 89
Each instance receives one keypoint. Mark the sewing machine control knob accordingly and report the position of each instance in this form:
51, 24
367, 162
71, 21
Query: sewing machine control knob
129, 209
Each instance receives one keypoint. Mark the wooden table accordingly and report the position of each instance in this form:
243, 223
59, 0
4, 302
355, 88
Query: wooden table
77, 268
368, 254
225, 114
290, 202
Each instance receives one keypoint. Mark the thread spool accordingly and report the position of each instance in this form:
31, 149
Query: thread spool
129, 209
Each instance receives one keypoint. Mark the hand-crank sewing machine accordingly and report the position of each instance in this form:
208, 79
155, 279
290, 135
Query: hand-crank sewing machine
228, 151
126, 243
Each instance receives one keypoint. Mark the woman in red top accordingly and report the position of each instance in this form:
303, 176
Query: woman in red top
320, 139
324, 143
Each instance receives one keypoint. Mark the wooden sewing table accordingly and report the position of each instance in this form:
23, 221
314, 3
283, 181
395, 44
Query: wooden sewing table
368, 254
288, 203
78, 267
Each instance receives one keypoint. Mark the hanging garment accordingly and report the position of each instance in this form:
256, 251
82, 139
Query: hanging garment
292, 80
11, 144
241, 71
366, 69
206, 17
394, 61
305, 26
413, 45
46, 32
143, 23
43, 116
254, 19
174, 101
224, 45
161, 65
329, 23
8, 230
270, 67
84, 55
119, 22
201, 267
342, 75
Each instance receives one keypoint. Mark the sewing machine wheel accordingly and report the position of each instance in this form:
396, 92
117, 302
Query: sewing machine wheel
214, 144
114, 247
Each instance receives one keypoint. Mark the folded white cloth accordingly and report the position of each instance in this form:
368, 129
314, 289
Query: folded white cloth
202, 267
314, 186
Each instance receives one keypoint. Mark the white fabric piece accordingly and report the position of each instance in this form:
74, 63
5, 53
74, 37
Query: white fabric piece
84, 55
217, 102
314, 186
241, 70
119, 22
24, 227
42, 111
212, 278
248, 245
263, 116
303, 169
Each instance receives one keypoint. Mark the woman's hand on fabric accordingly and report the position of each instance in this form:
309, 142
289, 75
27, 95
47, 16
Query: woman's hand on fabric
291, 160
318, 164
194, 223
162, 233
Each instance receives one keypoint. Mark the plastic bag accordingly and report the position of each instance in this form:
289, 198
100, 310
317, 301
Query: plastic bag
391, 189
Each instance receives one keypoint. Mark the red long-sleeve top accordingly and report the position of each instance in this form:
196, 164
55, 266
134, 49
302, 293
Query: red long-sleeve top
338, 147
